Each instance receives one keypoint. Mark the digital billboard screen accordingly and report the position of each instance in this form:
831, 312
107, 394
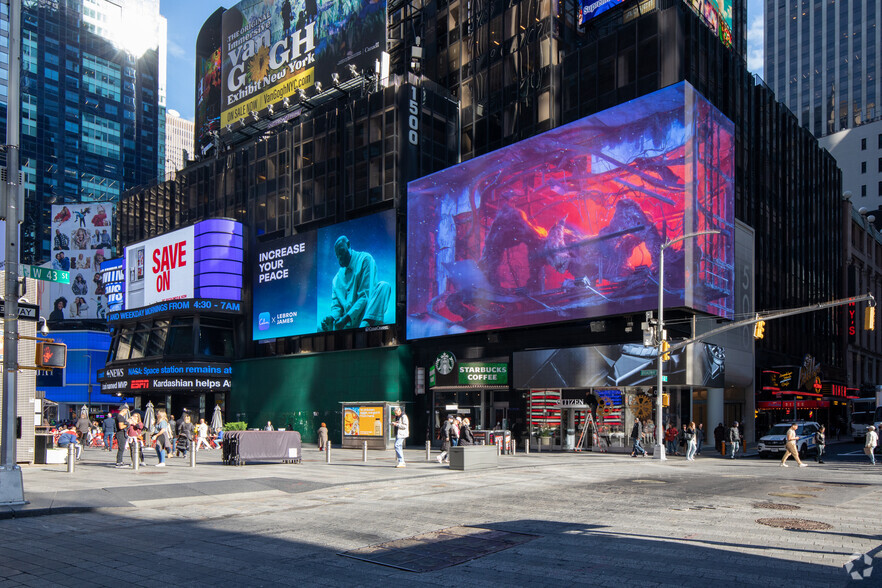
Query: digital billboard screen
81, 241
202, 261
272, 48
569, 224
339, 277
588, 9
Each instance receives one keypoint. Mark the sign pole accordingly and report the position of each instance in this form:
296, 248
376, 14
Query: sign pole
11, 487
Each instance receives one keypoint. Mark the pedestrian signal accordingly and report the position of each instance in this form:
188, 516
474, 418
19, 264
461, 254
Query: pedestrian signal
51, 355
759, 329
870, 318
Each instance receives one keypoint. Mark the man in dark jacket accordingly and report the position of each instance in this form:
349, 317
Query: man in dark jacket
719, 437
734, 440
636, 438
109, 425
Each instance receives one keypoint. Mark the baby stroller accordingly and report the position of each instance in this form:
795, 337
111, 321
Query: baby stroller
182, 445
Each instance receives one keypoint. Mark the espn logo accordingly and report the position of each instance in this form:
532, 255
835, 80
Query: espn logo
140, 384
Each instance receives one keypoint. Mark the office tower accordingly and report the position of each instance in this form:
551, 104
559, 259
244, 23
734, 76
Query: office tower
821, 61
93, 106
178, 142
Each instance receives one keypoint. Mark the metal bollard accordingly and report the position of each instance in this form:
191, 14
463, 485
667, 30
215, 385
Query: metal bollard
328, 452
499, 449
364, 452
482, 442
538, 444
136, 457
428, 451
192, 456
527, 446
71, 458
514, 447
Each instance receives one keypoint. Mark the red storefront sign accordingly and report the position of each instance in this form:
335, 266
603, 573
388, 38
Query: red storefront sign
766, 404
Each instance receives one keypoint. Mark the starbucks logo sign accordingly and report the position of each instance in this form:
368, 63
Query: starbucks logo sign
445, 362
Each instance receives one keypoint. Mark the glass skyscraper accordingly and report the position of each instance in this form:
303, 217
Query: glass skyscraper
821, 61
92, 106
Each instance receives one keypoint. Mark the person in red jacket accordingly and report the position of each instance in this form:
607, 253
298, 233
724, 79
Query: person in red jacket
671, 439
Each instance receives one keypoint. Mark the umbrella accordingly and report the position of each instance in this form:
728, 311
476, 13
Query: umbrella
149, 417
217, 419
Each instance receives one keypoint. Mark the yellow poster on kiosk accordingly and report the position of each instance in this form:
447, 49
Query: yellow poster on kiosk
363, 421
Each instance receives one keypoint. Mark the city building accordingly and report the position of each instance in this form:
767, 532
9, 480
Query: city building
93, 107
496, 315
178, 142
821, 60
859, 153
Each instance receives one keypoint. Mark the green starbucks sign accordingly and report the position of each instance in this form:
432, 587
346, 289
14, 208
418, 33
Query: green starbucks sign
483, 374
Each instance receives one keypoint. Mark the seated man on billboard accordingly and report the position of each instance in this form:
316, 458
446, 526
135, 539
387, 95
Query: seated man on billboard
357, 298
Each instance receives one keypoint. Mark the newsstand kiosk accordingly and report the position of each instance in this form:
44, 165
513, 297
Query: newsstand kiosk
371, 422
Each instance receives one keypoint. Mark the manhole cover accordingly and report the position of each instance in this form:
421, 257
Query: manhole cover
775, 506
795, 524
792, 495
439, 549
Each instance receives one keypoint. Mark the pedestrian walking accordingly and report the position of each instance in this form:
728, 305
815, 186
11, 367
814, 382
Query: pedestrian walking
734, 440
719, 438
465, 432
820, 444
83, 426
872, 440
109, 426
691, 442
133, 439
172, 435
162, 437
185, 436
403, 432
699, 438
122, 423
454, 432
322, 437
202, 435
446, 431
636, 439
790, 447
671, 439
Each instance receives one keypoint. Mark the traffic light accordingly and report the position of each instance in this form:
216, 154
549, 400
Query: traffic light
666, 400
51, 355
870, 318
666, 356
758, 329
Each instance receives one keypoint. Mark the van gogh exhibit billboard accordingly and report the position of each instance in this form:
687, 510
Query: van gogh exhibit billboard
272, 48
568, 224
339, 277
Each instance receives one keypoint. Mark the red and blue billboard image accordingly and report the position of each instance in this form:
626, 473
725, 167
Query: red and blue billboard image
569, 224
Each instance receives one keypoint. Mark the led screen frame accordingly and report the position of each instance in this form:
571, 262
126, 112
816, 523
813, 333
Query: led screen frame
567, 225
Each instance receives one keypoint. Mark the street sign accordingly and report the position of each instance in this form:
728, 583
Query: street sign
28, 312
45, 274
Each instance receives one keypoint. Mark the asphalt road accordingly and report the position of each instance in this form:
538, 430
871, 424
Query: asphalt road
538, 520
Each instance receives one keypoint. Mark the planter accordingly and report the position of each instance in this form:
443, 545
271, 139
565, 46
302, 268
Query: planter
545, 440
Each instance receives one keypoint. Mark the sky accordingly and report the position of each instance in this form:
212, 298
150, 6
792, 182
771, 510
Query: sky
186, 18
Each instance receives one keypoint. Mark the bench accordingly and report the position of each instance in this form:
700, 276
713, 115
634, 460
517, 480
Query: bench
473, 457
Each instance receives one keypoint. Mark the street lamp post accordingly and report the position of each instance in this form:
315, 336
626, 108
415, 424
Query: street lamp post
89, 382
661, 337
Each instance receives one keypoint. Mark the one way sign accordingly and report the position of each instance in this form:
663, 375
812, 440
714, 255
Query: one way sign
28, 312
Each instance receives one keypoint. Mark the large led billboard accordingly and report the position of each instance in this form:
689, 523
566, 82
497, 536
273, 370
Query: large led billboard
81, 241
339, 277
569, 224
272, 48
208, 81
717, 14
202, 261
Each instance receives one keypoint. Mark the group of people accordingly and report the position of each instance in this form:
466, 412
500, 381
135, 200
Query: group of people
690, 439
455, 431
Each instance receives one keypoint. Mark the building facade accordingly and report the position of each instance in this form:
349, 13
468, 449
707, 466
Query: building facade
93, 106
516, 71
821, 60
859, 153
178, 142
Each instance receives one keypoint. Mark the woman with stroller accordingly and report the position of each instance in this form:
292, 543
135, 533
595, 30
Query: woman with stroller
185, 436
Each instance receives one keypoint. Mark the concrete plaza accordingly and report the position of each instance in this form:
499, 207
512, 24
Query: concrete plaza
582, 519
